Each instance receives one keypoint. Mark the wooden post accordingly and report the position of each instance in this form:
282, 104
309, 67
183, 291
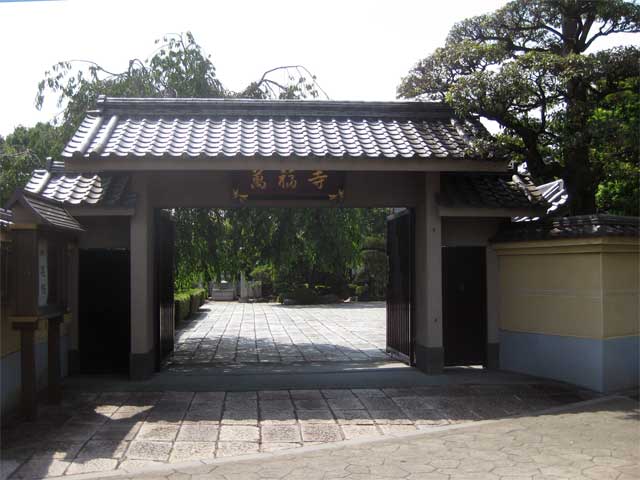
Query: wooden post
54, 370
29, 400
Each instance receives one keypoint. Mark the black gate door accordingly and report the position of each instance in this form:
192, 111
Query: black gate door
104, 311
400, 250
164, 278
464, 307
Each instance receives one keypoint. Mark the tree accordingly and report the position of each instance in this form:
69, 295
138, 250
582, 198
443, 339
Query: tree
530, 67
23, 151
177, 68
300, 246
616, 150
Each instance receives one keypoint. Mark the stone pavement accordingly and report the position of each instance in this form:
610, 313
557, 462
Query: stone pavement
593, 440
232, 332
99, 432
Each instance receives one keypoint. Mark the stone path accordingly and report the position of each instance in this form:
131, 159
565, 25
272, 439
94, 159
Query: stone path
232, 332
101, 432
596, 440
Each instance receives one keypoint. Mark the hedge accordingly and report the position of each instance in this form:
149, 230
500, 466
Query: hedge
187, 302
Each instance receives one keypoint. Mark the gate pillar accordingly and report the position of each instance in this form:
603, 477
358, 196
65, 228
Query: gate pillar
428, 274
142, 359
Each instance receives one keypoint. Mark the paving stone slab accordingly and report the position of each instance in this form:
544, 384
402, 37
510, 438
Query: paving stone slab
321, 433
41, 467
149, 450
353, 417
280, 434
186, 451
239, 433
102, 449
351, 432
158, 432
91, 465
198, 433
316, 416
232, 449
240, 417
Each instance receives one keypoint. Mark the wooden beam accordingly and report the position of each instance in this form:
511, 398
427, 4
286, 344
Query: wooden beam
488, 212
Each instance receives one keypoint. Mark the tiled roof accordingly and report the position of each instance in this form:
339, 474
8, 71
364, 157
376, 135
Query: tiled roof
6, 218
123, 127
581, 226
47, 211
490, 191
77, 189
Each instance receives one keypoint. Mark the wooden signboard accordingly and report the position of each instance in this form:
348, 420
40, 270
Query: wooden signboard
288, 185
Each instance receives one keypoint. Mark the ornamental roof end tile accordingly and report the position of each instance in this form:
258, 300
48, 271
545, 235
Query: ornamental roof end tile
486, 190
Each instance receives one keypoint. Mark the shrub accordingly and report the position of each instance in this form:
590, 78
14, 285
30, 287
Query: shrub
361, 291
187, 302
303, 295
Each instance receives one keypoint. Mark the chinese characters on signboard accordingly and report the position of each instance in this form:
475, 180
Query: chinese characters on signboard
288, 184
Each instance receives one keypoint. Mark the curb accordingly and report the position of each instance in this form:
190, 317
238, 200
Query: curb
173, 467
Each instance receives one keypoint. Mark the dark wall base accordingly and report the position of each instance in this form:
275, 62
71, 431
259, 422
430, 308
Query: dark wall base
73, 357
142, 365
493, 355
429, 359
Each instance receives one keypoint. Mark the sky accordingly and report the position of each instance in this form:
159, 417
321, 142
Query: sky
358, 49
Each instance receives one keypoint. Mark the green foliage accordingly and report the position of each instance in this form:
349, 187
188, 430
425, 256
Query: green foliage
526, 66
187, 302
283, 248
300, 247
374, 267
178, 68
303, 295
616, 150
262, 273
209, 243
361, 291
23, 151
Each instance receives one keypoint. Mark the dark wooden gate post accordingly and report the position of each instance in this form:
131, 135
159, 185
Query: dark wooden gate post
29, 399
54, 371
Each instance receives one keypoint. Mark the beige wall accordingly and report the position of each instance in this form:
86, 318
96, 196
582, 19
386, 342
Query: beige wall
620, 287
580, 288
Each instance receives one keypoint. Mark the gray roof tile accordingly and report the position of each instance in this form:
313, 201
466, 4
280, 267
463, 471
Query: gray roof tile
235, 127
6, 218
489, 190
82, 189
48, 211
582, 226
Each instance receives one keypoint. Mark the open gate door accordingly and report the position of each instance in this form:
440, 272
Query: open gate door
400, 305
164, 279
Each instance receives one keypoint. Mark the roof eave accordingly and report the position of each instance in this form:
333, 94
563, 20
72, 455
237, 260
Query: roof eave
467, 211
130, 163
